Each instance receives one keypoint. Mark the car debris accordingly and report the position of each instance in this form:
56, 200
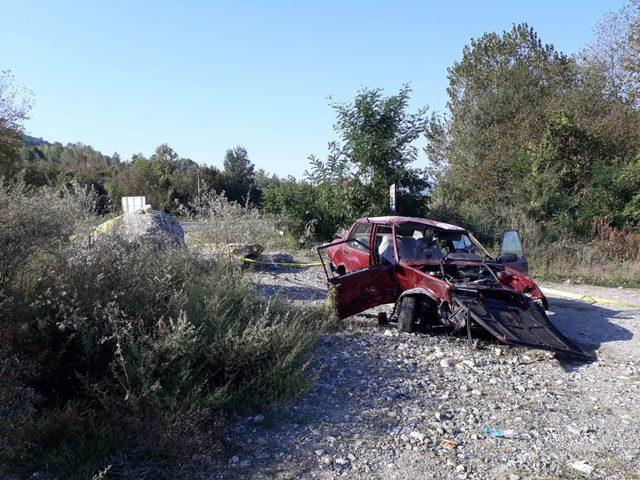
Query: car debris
439, 274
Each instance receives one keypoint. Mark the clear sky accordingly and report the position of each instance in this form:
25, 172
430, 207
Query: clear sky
126, 76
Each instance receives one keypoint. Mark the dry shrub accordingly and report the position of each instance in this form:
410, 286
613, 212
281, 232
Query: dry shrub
34, 225
618, 243
225, 221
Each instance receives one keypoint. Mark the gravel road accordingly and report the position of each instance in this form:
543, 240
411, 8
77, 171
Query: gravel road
406, 406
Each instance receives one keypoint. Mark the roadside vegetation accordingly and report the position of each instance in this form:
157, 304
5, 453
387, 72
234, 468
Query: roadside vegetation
124, 357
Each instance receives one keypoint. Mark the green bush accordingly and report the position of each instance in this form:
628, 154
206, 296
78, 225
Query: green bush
309, 212
121, 358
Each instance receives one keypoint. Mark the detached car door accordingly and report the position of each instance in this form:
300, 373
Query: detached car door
511, 252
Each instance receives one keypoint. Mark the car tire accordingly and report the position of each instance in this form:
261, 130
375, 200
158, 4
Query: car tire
407, 314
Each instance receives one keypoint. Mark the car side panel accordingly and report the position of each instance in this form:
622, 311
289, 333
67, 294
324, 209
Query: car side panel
409, 278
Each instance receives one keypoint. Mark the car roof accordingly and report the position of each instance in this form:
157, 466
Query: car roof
395, 219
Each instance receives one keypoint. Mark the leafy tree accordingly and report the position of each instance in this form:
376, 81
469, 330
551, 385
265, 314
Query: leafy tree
239, 176
376, 150
498, 93
14, 108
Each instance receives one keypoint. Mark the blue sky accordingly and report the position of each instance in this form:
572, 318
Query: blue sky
206, 76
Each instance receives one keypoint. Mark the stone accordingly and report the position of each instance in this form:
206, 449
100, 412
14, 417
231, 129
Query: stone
582, 466
444, 363
144, 227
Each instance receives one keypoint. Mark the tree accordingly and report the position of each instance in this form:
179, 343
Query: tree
498, 94
376, 149
14, 108
239, 175
615, 51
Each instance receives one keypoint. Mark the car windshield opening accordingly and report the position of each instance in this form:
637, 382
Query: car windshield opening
421, 242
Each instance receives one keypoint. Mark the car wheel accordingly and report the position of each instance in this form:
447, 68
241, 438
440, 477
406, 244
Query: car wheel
407, 314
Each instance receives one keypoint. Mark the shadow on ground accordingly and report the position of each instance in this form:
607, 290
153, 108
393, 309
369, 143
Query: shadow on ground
589, 325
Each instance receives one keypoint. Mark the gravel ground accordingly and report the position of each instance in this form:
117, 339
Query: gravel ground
390, 405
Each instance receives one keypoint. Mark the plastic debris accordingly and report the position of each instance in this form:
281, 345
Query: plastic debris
498, 432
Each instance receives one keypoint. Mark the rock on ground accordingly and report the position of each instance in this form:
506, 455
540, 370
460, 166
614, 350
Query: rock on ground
145, 227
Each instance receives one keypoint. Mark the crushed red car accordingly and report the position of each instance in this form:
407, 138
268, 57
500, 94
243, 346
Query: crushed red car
439, 274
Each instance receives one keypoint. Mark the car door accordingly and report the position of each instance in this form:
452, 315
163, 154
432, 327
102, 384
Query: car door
511, 253
360, 290
356, 252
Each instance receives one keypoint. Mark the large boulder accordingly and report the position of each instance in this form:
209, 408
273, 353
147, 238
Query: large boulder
145, 226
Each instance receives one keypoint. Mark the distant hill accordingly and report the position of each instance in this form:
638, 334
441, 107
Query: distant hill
35, 141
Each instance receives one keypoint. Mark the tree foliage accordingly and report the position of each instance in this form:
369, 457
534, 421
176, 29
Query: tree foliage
533, 133
14, 108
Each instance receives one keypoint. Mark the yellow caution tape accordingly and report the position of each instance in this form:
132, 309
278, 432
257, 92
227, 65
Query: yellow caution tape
261, 262
104, 227
280, 264
589, 298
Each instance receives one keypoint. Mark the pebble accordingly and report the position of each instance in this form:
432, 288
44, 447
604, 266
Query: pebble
582, 466
444, 363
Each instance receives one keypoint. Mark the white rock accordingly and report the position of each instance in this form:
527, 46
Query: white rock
417, 435
582, 466
444, 363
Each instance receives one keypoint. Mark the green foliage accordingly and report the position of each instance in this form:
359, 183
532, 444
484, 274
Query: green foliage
310, 212
376, 150
239, 176
533, 133
116, 349
497, 97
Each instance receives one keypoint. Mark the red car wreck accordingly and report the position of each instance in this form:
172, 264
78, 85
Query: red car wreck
437, 273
